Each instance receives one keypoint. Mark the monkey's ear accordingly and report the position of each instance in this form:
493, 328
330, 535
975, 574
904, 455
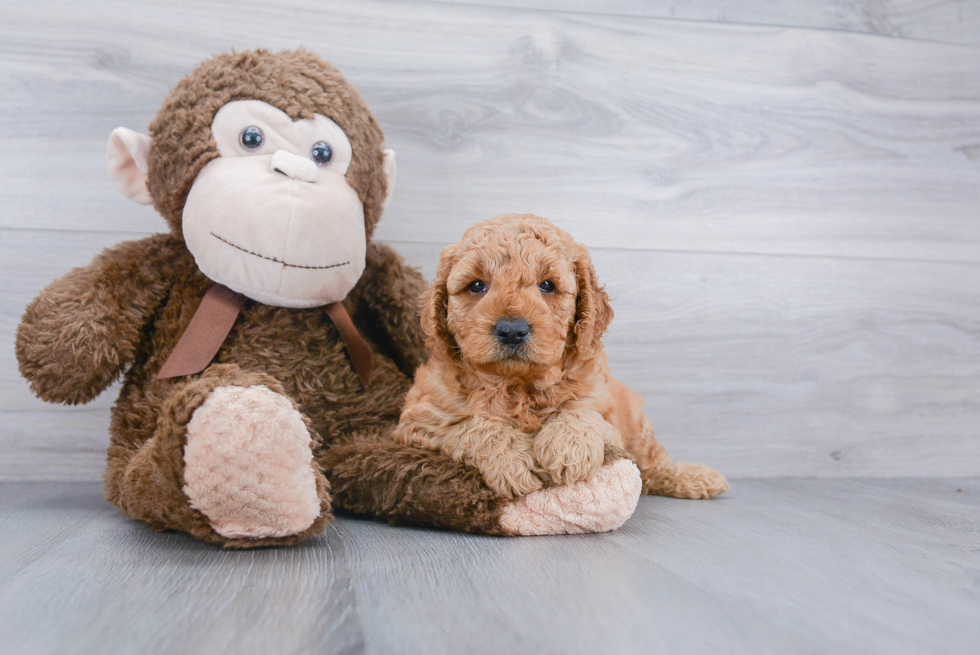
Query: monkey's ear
389, 171
128, 156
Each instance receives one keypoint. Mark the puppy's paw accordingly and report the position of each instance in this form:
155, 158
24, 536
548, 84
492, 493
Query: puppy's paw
570, 447
695, 481
511, 473
702, 481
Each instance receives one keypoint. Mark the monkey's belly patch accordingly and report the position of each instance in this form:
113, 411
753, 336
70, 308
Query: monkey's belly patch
248, 464
273, 259
600, 504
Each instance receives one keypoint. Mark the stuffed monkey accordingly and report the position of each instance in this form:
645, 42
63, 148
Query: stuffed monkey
265, 342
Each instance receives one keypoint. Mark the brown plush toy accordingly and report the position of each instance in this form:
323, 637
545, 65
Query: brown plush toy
266, 344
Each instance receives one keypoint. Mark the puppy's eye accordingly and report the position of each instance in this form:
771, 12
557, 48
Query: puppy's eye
477, 287
547, 286
251, 138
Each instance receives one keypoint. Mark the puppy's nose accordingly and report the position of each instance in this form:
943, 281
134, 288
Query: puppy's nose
511, 331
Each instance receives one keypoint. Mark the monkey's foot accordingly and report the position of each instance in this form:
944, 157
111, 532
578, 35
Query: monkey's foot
598, 504
248, 464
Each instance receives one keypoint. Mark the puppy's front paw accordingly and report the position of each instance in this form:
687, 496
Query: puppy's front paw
511, 473
570, 446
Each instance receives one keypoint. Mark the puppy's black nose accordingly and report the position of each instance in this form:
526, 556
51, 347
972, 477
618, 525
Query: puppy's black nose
511, 331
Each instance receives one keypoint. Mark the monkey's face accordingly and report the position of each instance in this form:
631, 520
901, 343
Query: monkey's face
273, 217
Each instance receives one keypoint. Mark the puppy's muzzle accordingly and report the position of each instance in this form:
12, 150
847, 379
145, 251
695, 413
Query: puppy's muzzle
511, 332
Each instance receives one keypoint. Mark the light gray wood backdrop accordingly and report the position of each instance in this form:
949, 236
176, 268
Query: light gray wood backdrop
783, 197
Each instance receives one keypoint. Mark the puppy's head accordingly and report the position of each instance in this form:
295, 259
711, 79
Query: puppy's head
517, 296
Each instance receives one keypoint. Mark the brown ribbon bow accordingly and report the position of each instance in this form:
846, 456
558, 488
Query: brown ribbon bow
216, 315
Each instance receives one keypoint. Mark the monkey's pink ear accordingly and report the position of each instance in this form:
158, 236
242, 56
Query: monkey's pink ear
128, 155
389, 170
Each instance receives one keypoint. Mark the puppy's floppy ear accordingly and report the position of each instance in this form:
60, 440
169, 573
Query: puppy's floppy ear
435, 306
593, 312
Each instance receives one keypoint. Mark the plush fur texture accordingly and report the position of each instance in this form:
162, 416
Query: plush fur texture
270, 223
612, 497
297, 82
543, 409
77, 337
372, 476
123, 314
248, 464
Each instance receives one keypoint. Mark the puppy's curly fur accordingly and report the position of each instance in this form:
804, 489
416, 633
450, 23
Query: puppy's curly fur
533, 403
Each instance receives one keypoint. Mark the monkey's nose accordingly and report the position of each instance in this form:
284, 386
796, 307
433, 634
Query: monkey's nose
511, 331
294, 166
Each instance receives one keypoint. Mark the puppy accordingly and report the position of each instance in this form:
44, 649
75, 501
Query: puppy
517, 384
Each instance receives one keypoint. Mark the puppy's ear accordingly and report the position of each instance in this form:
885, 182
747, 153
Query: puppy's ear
435, 306
593, 312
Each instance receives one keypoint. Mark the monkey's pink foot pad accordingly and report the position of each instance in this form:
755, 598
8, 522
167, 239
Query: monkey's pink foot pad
599, 504
248, 464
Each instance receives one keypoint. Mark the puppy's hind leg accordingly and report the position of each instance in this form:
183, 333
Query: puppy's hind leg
661, 477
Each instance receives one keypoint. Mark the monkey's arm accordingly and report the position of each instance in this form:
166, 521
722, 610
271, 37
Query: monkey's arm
373, 475
389, 295
76, 337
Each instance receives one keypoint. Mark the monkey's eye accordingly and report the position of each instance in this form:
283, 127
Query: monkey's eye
547, 286
251, 138
477, 287
321, 153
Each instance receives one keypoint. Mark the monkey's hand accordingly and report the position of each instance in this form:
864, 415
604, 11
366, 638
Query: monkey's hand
76, 337
570, 445
600, 503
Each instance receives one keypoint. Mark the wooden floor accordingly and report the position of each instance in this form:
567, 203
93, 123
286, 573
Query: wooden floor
777, 566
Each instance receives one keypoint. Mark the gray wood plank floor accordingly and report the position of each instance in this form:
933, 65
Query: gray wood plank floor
776, 566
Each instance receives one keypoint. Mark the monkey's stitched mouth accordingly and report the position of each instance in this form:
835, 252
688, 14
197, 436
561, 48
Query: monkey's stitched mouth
273, 259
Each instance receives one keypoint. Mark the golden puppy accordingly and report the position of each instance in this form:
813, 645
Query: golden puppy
517, 384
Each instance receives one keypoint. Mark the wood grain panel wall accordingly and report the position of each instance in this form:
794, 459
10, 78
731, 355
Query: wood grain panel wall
948, 21
787, 217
